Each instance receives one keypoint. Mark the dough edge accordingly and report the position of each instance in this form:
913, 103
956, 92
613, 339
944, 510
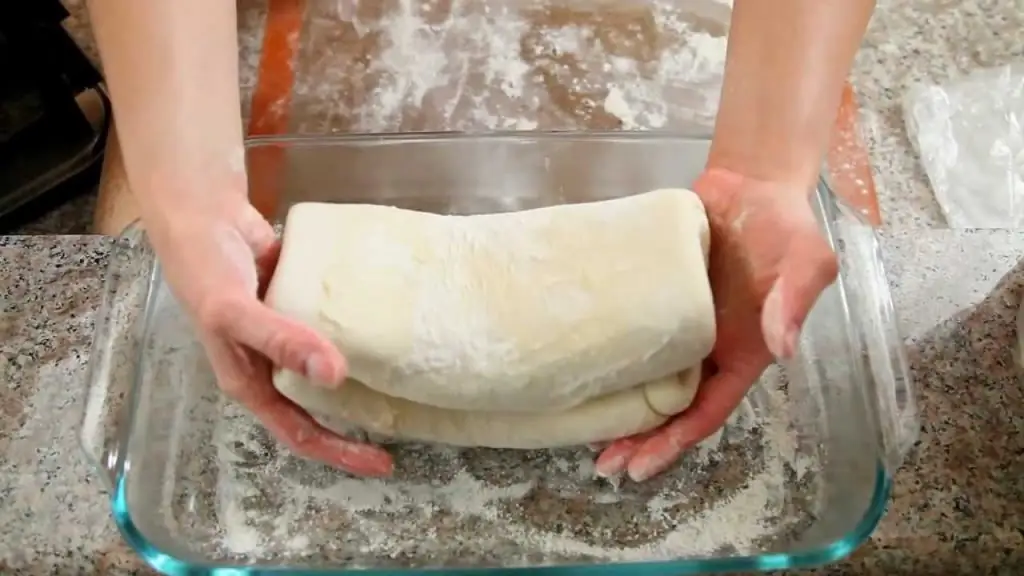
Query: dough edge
616, 415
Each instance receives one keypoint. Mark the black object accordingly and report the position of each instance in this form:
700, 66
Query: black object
53, 111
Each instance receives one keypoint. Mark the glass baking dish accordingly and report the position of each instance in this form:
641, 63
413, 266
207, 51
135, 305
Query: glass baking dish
800, 475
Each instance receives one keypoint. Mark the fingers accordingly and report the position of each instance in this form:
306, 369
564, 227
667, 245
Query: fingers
246, 378
614, 459
243, 337
716, 399
287, 343
295, 428
806, 271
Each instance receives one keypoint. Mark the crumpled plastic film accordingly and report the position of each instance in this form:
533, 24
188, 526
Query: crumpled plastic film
969, 134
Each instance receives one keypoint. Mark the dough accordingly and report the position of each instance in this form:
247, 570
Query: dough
520, 312
608, 417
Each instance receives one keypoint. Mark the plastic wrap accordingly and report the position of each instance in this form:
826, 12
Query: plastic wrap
969, 134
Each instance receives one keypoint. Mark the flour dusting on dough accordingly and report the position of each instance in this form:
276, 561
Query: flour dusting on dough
525, 311
449, 328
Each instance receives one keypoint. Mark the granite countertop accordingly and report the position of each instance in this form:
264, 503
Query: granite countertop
958, 503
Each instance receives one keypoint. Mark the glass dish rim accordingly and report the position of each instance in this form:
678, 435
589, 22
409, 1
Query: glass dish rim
521, 136
829, 553
833, 552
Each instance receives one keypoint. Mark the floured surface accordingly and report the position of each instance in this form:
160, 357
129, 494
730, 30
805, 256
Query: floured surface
485, 507
407, 65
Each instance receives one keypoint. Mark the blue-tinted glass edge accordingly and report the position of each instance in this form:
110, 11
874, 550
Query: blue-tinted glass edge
171, 566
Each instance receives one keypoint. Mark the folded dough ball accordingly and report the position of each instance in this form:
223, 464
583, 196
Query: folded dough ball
531, 311
608, 417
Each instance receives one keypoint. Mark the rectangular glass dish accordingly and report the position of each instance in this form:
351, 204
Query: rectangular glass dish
799, 476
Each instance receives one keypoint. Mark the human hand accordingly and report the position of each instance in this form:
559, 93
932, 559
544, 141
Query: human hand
768, 263
218, 256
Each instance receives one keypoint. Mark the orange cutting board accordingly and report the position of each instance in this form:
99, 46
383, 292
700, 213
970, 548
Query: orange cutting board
271, 100
849, 165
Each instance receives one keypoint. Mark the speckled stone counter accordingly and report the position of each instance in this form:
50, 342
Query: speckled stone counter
922, 41
957, 507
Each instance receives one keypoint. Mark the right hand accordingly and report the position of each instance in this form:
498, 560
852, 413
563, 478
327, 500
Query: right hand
218, 255
769, 262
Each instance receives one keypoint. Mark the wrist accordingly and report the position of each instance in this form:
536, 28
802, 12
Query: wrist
210, 180
173, 199
794, 164
721, 189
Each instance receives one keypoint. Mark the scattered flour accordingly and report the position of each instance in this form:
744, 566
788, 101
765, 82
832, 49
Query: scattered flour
390, 518
474, 65
684, 82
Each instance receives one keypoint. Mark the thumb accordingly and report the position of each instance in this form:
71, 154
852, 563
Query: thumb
807, 269
287, 343
254, 228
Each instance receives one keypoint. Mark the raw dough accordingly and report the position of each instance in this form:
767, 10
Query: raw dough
608, 417
531, 311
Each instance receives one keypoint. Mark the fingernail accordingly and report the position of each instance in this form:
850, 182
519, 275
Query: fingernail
641, 469
366, 469
610, 467
375, 470
319, 369
771, 323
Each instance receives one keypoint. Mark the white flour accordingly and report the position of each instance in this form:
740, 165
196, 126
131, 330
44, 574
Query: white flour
485, 66
390, 518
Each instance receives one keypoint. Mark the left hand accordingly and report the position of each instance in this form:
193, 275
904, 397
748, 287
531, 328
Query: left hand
218, 254
768, 263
